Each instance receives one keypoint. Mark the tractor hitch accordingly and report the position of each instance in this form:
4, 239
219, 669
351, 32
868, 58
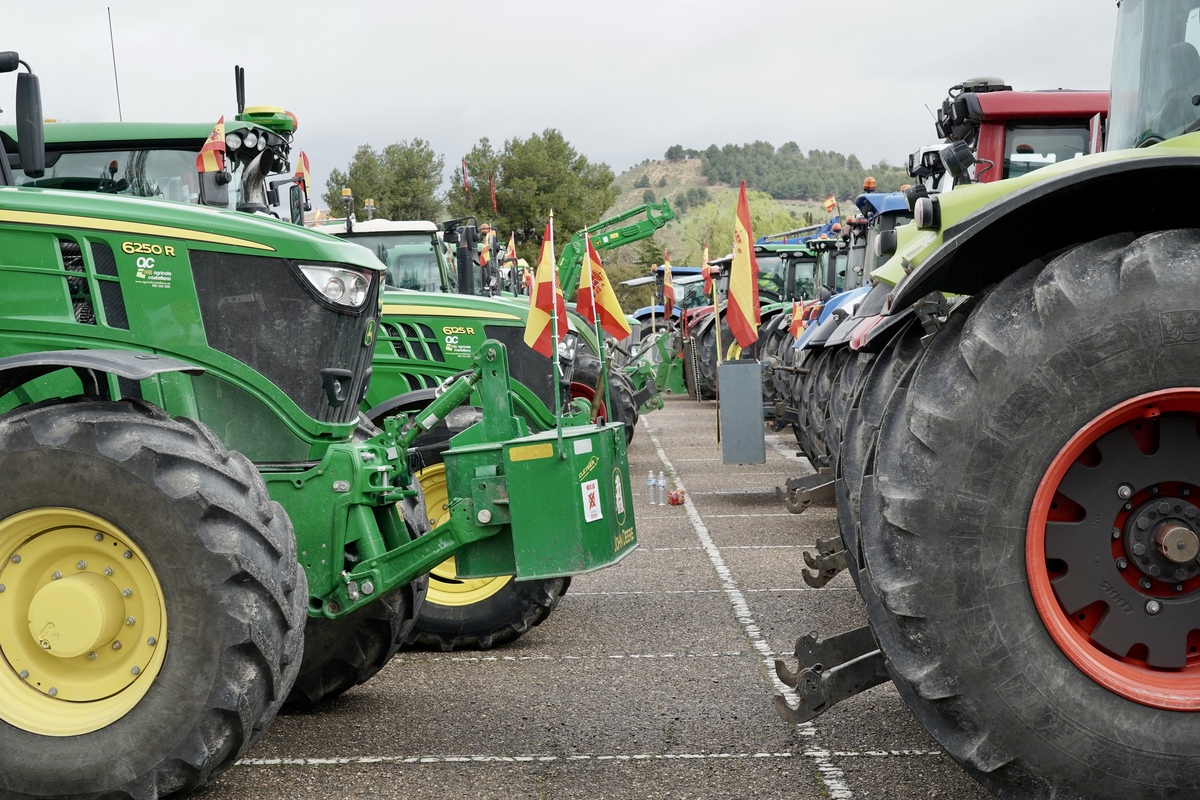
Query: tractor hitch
829, 671
829, 561
800, 493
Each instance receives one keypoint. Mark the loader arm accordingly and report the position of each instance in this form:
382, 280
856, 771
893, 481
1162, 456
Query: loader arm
610, 234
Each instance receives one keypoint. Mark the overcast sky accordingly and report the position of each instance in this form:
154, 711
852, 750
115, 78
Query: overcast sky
622, 80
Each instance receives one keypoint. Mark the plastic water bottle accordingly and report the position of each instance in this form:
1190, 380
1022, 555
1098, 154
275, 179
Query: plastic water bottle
650, 486
662, 489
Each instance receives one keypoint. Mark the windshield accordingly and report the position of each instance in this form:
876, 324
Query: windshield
164, 174
806, 278
1155, 73
770, 274
157, 173
1027, 148
411, 259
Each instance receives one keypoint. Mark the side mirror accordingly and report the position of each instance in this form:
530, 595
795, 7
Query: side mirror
214, 189
31, 135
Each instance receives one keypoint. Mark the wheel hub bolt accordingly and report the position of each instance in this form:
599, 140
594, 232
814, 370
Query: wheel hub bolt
152, 641
1181, 574
135, 670
1122, 563
116, 645
99, 537
127, 554
53, 692
1177, 587
91, 656
130, 620
1124, 491
1153, 606
127, 592
81, 565
1116, 533
16, 559
24, 674
1145, 583
56, 576
1139, 549
108, 571
1, 588
1155, 570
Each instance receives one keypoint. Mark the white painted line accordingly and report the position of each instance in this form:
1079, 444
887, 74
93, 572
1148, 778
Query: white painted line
743, 516
815, 754
831, 775
618, 593
728, 547
404, 659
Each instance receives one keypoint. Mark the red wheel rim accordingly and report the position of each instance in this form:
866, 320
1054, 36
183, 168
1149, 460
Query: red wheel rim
581, 391
1129, 477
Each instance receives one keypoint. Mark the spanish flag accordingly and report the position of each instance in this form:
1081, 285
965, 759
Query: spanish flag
212, 154
545, 302
831, 205
303, 171
706, 270
510, 253
797, 320
743, 313
668, 287
596, 296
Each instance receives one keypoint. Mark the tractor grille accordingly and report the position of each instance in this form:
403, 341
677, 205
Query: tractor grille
110, 291
413, 341
261, 311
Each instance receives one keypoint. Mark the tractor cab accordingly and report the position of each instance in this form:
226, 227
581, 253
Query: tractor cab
412, 251
1155, 73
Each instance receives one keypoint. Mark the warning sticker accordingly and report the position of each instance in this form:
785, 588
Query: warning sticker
591, 501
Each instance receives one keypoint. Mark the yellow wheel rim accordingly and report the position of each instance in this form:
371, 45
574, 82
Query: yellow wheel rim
83, 625
445, 587
734, 352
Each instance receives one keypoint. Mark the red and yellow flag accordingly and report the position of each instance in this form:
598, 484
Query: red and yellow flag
668, 286
743, 313
706, 270
596, 296
830, 204
797, 320
303, 171
545, 302
511, 251
212, 154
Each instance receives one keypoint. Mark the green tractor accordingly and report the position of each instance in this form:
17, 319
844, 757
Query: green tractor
1027, 545
198, 527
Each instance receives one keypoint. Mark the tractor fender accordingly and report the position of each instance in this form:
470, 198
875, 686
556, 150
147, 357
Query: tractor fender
877, 338
872, 305
15, 371
1136, 194
840, 308
416, 399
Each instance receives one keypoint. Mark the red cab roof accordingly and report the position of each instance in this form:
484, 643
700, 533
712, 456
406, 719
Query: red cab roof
1026, 105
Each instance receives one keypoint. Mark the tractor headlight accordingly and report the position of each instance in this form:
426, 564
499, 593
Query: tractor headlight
251, 140
568, 345
927, 213
233, 141
343, 287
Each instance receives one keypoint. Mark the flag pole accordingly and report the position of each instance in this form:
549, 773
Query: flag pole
608, 408
558, 412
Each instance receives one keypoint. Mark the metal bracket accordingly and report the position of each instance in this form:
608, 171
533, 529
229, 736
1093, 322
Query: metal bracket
800, 493
830, 560
828, 672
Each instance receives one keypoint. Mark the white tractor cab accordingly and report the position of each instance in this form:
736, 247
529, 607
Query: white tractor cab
412, 251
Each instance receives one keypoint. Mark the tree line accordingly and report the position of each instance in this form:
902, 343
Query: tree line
787, 172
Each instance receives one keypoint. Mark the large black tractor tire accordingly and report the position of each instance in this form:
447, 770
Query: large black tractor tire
113, 509
585, 379
883, 382
814, 405
772, 332
846, 370
706, 353
1045, 645
340, 654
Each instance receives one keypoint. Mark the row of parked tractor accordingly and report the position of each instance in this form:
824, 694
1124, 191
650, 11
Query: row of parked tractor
235, 449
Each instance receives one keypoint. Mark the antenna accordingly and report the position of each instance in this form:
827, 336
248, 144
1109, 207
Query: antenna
239, 81
116, 80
